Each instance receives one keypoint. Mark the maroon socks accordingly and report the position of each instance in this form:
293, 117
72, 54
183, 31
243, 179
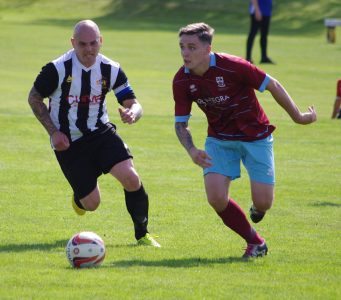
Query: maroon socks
234, 218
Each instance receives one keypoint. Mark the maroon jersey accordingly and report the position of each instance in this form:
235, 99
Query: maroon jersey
225, 93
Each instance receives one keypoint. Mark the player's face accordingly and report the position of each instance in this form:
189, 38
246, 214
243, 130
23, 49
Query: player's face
195, 53
87, 44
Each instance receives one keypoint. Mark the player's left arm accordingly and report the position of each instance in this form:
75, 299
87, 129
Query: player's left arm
131, 112
283, 98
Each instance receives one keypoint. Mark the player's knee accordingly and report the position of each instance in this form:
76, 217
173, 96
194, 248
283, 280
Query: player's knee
263, 204
217, 202
91, 201
91, 204
131, 182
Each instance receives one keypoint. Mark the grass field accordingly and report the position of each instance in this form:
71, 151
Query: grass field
200, 258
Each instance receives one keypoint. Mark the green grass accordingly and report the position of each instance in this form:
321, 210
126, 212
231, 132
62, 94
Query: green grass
200, 257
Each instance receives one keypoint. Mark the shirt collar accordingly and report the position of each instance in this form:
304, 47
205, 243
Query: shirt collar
212, 60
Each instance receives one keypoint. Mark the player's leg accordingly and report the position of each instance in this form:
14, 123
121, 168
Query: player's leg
264, 31
135, 196
254, 26
136, 200
126, 174
217, 190
226, 165
262, 199
81, 174
116, 159
91, 201
259, 162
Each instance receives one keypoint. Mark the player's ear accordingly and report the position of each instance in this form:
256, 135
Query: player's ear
72, 42
208, 48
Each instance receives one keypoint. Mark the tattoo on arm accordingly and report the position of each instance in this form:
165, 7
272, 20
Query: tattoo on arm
40, 110
184, 135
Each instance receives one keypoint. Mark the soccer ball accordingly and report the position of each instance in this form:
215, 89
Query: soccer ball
85, 250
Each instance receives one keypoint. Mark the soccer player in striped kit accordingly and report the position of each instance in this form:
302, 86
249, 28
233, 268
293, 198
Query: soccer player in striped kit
86, 144
223, 87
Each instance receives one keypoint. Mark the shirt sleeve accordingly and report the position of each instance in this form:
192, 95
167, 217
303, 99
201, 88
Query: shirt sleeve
122, 88
252, 76
183, 104
47, 80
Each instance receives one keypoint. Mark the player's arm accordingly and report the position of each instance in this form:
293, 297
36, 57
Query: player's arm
184, 135
46, 82
283, 98
59, 140
40, 110
131, 112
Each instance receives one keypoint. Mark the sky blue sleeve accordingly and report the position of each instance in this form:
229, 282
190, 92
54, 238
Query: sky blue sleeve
264, 83
182, 119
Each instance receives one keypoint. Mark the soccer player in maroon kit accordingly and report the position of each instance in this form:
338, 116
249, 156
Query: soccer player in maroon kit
223, 87
336, 114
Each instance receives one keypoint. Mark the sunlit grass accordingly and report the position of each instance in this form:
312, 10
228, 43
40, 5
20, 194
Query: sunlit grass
200, 258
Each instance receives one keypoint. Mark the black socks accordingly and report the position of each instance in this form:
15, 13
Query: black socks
137, 205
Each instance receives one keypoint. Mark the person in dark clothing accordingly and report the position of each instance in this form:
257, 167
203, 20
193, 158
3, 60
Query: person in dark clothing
260, 14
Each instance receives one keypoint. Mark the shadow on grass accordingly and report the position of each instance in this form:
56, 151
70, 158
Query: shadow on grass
51, 246
326, 204
176, 263
294, 17
33, 247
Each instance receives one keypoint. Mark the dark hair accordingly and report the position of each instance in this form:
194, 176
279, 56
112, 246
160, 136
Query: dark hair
202, 30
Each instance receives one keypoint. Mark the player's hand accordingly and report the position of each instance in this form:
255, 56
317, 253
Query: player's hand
200, 157
308, 117
59, 141
258, 15
127, 115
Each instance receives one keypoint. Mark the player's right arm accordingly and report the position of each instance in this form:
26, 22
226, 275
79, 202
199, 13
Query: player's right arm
44, 85
40, 110
183, 108
59, 140
184, 135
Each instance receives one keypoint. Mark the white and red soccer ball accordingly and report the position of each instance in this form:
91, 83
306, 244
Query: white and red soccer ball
85, 250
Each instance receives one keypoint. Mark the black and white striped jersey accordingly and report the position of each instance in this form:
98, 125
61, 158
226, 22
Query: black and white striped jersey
77, 94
